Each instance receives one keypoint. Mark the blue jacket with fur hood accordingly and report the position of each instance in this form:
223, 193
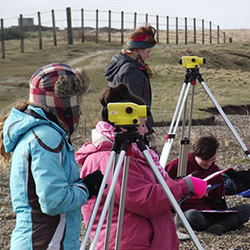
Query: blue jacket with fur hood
45, 191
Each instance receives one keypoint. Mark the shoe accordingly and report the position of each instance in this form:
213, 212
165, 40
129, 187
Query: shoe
182, 236
215, 229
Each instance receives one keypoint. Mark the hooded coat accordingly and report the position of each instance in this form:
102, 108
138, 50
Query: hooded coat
148, 220
45, 193
123, 69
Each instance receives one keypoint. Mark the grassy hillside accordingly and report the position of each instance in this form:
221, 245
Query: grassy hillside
226, 73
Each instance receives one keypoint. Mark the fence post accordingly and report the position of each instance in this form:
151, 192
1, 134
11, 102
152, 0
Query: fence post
210, 31
21, 34
218, 34
194, 31
135, 19
82, 24
2, 39
109, 35
96, 28
39, 30
176, 32
224, 37
69, 26
157, 28
54, 27
167, 29
186, 31
146, 19
122, 26
203, 33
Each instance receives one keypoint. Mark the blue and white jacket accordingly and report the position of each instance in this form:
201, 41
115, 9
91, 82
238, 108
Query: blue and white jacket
45, 191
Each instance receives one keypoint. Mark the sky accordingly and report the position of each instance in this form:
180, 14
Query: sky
228, 14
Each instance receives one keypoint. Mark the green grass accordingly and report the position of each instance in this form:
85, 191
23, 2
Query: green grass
226, 73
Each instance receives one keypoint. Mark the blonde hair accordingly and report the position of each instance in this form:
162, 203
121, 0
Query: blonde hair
4, 156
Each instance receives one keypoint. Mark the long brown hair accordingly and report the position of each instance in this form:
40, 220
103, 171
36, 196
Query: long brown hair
4, 156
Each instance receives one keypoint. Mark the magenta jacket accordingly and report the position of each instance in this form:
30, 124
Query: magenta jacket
148, 221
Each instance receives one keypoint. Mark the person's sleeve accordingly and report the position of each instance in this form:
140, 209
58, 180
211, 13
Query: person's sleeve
218, 193
146, 198
172, 167
55, 193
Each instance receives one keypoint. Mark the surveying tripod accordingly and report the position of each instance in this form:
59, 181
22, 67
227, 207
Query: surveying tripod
191, 63
123, 141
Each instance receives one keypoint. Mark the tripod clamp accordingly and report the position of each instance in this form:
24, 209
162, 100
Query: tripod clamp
130, 136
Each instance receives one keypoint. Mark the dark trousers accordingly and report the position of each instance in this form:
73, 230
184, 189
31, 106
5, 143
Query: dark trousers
229, 221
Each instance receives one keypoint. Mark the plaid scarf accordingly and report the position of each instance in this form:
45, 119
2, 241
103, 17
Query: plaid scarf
135, 56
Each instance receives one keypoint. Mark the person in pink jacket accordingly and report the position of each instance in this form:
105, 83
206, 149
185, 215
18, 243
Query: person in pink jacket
148, 220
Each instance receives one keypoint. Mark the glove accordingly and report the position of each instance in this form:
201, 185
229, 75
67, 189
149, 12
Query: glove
93, 182
152, 141
199, 186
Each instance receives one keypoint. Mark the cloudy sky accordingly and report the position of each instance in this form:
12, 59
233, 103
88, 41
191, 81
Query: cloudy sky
228, 14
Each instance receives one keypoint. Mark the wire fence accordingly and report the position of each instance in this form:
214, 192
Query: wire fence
74, 26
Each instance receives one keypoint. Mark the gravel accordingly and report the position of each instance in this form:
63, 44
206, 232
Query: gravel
230, 154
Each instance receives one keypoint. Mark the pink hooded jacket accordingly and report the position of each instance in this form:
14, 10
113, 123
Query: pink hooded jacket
148, 220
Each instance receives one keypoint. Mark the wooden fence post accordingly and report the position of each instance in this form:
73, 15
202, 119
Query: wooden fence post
194, 31
146, 18
167, 30
21, 34
69, 26
218, 34
39, 30
210, 32
157, 28
2, 39
82, 25
54, 27
135, 19
224, 37
186, 31
176, 31
109, 35
122, 27
96, 26
203, 32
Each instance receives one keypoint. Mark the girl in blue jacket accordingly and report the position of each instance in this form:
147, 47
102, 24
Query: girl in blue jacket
46, 191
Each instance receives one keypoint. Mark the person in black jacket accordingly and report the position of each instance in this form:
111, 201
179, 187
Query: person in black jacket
129, 67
